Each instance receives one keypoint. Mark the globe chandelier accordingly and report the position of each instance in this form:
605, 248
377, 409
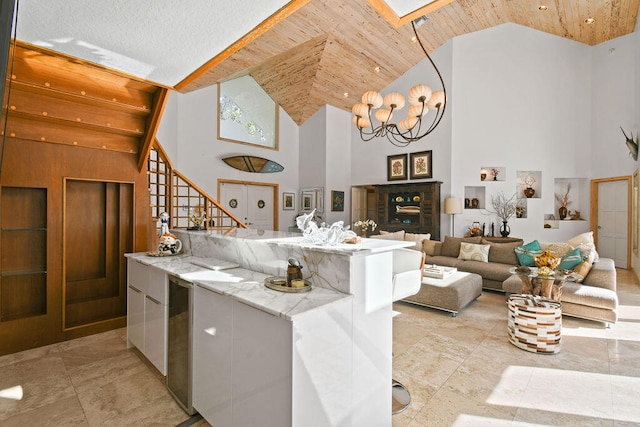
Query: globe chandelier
422, 102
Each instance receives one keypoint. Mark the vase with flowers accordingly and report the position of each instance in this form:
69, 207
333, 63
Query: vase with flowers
505, 208
363, 226
527, 183
564, 202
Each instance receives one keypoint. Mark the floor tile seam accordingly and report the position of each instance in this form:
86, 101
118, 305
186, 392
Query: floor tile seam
77, 396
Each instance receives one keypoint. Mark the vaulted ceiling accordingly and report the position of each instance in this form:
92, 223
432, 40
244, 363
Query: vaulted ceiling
309, 53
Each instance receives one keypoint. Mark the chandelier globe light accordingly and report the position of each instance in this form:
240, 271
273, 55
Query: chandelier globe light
418, 122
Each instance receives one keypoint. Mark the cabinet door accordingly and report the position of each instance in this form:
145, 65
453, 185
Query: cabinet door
137, 275
262, 355
135, 317
155, 333
157, 287
212, 353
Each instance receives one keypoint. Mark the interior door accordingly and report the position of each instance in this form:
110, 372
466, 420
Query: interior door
253, 204
613, 221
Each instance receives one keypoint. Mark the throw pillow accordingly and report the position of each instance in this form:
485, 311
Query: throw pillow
430, 247
559, 248
451, 245
583, 269
570, 260
586, 244
417, 239
502, 253
526, 253
474, 252
396, 235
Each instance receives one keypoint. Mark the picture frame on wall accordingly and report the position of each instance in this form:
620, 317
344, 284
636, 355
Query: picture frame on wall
397, 167
421, 165
337, 201
307, 201
288, 201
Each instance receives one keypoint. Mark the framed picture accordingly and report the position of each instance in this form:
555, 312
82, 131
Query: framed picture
307, 201
421, 165
397, 167
288, 201
337, 201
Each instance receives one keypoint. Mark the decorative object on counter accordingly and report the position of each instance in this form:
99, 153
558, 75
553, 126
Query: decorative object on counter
164, 223
169, 244
294, 271
408, 130
547, 259
397, 167
337, 201
280, 284
475, 203
323, 235
505, 208
453, 207
197, 219
475, 230
564, 202
421, 165
364, 226
575, 216
631, 145
483, 176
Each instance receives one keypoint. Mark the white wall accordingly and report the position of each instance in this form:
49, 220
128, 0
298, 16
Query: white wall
199, 152
338, 165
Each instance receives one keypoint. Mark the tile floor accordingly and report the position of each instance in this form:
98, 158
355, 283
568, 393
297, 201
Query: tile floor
461, 371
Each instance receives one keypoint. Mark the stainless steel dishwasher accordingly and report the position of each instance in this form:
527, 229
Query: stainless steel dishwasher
179, 357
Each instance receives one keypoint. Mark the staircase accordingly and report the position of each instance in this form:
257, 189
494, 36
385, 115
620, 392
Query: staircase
171, 192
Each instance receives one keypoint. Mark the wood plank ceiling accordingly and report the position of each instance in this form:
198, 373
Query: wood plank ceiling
327, 48
61, 100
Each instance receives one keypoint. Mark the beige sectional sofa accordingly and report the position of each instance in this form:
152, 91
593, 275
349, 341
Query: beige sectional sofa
595, 298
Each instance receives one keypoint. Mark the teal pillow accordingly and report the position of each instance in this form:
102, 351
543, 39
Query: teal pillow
525, 253
570, 260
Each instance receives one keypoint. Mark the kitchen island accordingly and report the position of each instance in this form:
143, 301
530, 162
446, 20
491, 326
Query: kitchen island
260, 356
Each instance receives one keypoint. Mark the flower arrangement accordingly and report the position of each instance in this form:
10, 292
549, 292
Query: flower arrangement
563, 199
364, 225
504, 207
528, 181
494, 173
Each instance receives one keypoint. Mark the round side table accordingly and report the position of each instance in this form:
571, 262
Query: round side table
534, 323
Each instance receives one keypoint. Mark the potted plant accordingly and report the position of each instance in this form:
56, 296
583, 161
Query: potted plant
505, 208
563, 201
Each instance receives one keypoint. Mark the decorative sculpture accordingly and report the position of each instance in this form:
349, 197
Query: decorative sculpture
631, 144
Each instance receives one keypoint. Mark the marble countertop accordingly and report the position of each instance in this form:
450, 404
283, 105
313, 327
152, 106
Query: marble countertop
245, 286
296, 240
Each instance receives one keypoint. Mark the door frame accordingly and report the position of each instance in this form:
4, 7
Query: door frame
276, 219
594, 209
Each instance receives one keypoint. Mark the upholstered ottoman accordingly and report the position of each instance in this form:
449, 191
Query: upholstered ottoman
450, 294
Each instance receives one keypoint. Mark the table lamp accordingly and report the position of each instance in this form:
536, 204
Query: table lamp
452, 206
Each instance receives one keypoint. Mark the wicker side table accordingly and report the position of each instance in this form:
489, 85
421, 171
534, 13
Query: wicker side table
534, 323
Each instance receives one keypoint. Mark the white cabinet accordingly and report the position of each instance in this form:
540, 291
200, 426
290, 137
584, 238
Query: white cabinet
242, 363
135, 316
147, 312
212, 354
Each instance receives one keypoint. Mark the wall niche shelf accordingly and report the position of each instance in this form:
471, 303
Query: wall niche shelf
493, 173
576, 190
529, 180
474, 197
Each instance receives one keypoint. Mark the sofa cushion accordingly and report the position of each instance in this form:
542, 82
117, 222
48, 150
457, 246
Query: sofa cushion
558, 248
502, 253
431, 247
451, 245
583, 270
445, 261
589, 295
488, 270
473, 251
417, 239
526, 253
570, 260
586, 244
602, 274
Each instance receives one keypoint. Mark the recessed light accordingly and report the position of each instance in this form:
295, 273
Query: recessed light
542, 7
346, 94
377, 69
589, 21
414, 39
